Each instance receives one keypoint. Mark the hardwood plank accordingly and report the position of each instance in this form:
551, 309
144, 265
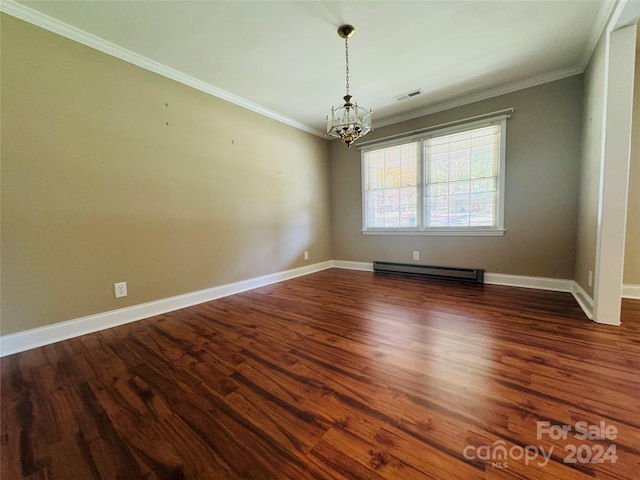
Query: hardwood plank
335, 375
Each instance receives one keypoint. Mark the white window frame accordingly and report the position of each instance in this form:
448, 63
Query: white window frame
494, 230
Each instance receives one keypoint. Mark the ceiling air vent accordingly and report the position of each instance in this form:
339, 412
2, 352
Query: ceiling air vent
407, 95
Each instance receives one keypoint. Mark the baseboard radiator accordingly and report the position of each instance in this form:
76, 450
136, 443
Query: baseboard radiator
448, 273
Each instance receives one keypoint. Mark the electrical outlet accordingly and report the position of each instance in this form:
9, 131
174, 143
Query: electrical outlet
416, 255
590, 278
306, 255
120, 289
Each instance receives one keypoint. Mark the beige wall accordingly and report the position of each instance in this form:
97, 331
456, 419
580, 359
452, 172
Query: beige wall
590, 167
542, 165
632, 240
112, 173
103, 182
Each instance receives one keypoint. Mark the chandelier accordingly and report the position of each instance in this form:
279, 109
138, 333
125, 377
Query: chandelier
348, 122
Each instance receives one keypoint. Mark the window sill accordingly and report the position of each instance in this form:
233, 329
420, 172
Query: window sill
495, 232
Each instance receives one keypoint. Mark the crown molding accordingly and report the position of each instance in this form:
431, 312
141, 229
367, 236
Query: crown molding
625, 13
51, 24
483, 95
605, 13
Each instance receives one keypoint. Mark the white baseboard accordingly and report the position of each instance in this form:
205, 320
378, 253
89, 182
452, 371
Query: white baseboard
583, 298
540, 283
631, 291
37, 337
347, 265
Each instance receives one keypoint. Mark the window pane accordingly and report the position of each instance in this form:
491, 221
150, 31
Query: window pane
438, 189
408, 202
391, 176
439, 168
392, 207
482, 209
483, 185
457, 188
461, 178
458, 166
437, 209
375, 210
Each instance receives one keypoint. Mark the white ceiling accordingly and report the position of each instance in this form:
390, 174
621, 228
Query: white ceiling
285, 59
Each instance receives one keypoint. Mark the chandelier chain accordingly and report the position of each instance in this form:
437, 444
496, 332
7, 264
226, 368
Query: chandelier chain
346, 55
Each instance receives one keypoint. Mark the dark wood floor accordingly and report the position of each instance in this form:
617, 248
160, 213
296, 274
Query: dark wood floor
338, 374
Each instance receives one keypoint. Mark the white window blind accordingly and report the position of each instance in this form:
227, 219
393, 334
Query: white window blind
391, 187
449, 181
461, 178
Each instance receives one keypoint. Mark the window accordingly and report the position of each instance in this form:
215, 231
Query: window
449, 181
392, 186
